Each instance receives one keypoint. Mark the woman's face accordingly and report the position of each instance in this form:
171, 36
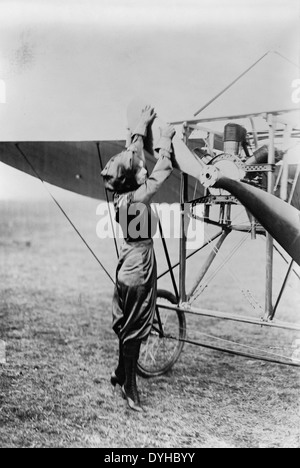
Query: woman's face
141, 174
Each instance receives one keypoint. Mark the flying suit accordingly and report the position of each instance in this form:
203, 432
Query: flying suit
134, 297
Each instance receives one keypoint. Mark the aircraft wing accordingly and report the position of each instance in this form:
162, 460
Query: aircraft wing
75, 166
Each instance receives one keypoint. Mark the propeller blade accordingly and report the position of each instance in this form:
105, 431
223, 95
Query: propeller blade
279, 218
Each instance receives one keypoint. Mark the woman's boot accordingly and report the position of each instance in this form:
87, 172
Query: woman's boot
118, 376
130, 392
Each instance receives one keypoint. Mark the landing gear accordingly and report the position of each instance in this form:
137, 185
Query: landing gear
164, 345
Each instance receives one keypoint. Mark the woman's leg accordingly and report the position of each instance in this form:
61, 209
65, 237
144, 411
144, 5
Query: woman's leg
118, 376
133, 311
130, 391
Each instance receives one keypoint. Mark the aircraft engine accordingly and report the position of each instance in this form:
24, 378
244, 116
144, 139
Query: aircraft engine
231, 163
235, 138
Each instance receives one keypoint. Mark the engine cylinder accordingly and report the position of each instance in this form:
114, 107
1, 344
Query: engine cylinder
234, 138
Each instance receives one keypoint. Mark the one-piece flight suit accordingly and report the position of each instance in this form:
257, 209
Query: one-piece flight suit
135, 292
136, 277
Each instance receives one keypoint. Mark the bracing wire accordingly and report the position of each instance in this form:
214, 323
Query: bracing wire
242, 345
64, 213
247, 294
290, 362
108, 204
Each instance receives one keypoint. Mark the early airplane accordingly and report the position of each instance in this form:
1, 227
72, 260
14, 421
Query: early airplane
217, 169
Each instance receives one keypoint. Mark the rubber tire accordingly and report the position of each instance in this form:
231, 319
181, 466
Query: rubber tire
148, 373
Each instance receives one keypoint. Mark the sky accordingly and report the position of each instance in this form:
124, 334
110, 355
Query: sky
71, 67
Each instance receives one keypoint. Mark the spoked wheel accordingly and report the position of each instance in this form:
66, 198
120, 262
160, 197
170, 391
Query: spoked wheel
163, 347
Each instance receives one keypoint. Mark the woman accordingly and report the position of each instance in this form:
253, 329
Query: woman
136, 277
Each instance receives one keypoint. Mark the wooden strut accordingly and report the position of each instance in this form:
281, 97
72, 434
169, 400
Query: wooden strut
232, 117
294, 184
230, 317
290, 363
183, 238
208, 263
192, 254
167, 255
289, 271
286, 261
270, 241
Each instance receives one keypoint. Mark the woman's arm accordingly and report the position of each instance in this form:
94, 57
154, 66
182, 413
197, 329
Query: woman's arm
162, 169
137, 146
160, 174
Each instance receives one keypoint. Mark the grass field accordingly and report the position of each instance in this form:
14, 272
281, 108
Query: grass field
55, 318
